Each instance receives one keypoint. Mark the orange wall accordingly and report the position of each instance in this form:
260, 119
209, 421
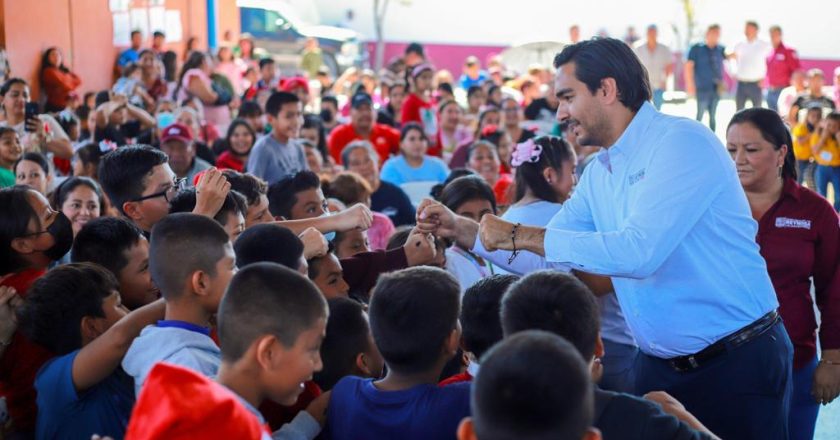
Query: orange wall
83, 29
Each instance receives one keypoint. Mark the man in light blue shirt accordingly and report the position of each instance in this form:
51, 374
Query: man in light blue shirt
662, 213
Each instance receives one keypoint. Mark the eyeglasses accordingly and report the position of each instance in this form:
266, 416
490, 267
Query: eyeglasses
169, 193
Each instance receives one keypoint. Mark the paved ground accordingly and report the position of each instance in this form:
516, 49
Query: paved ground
828, 423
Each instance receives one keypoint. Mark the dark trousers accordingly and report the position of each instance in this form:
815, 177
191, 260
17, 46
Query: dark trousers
773, 98
620, 363
707, 100
748, 91
742, 394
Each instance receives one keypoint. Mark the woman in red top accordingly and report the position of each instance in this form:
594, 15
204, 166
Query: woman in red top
239, 141
799, 237
418, 105
57, 80
32, 236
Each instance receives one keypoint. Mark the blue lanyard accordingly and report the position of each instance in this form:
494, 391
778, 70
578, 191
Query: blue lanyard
185, 325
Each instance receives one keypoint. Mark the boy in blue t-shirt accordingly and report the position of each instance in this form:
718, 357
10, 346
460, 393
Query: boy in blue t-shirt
414, 321
75, 311
279, 154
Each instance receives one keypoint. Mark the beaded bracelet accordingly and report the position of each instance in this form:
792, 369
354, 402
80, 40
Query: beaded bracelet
515, 252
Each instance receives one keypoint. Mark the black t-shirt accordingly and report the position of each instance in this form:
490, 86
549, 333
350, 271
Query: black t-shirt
390, 200
385, 116
807, 100
619, 415
120, 135
538, 109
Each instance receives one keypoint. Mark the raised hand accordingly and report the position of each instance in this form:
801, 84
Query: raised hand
434, 217
420, 248
495, 233
314, 243
357, 216
210, 193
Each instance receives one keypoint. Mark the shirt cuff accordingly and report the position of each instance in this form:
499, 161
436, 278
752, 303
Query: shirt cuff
303, 427
558, 246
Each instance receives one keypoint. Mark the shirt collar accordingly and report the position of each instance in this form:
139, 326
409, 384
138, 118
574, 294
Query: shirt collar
632, 136
792, 189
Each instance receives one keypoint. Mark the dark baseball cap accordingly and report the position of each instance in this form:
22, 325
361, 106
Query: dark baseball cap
360, 99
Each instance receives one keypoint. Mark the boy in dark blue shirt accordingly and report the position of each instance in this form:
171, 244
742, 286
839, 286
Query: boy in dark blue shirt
414, 321
75, 311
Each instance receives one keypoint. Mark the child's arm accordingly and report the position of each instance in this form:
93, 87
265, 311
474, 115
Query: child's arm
146, 120
98, 359
307, 424
355, 217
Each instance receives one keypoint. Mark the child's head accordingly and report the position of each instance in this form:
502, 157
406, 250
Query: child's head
556, 302
349, 243
80, 199
449, 113
87, 157
488, 116
31, 233
421, 77
285, 115
327, 274
413, 141
273, 319
480, 308
270, 243
501, 139
231, 215
120, 247
314, 158
503, 400
469, 196
254, 189
297, 197
832, 123
545, 167
401, 235
267, 69
33, 170
70, 124
483, 158
476, 98
70, 306
350, 188
414, 319
348, 349
813, 115
251, 112
240, 137
139, 182
10, 148
191, 260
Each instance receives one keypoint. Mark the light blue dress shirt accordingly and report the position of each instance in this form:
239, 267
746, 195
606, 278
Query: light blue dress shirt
662, 212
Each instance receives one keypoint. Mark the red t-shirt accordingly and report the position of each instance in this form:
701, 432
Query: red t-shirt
501, 189
385, 140
228, 161
458, 378
21, 362
415, 109
277, 415
800, 238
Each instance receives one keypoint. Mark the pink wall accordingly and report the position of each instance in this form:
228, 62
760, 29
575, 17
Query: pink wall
443, 56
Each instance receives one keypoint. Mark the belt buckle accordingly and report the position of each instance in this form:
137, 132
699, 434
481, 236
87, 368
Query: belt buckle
685, 363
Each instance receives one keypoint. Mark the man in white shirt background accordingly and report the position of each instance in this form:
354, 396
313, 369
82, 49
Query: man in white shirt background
750, 67
659, 62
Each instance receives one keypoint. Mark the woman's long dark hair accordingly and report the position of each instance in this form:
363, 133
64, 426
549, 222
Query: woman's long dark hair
45, 62
194, 60
773, 130
238, 122
59, 196
17, 213
529, 175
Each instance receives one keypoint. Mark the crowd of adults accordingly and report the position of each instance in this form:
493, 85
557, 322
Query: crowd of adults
254, 225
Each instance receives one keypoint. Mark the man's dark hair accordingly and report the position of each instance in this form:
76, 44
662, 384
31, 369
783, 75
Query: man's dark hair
249, 109
265, 61
52, 314
105, 241
136, 32
601, 58
268, 242
347, 336
123, 172
713, 27
473, 90
249, 185
503, 398
331, 99
556, 302
277, 100
480, 313
267, 299
282, 195
234, 203
752, 23
14, 223
182, 244
446, 87
412, 312
415, 48
159, 34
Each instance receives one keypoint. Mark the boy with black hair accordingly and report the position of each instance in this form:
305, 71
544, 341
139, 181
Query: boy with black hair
140, 184
559, 303
192, 262
255, 191
251, 112
414, 321
327, 274
271, 324
279, 154
481, 327
348, 348
270, 243
503, 393
297, 196
120, 247
231, 215
75, 312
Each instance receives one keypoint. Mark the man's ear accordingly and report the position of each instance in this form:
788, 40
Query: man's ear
132, 211
609, 90
466, 429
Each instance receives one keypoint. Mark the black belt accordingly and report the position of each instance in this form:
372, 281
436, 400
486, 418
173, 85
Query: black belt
741, 337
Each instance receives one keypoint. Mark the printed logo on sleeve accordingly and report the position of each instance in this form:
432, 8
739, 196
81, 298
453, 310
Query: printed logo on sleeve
636, 177
795, 223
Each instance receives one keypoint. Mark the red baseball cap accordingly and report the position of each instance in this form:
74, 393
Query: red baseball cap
293, 83
176, 131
